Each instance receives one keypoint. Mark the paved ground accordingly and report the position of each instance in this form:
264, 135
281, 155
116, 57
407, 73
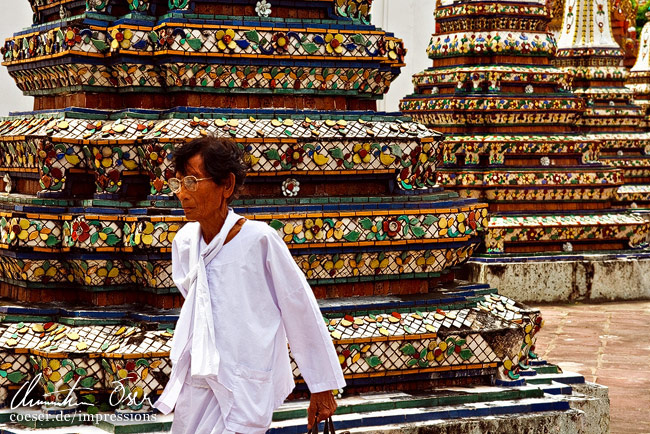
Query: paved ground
609, 344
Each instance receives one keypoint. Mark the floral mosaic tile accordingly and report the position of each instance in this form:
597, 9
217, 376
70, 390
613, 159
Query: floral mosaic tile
168, 37
631, 228
156, 233
497, 147
111, 149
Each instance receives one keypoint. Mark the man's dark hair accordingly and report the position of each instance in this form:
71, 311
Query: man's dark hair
220, 158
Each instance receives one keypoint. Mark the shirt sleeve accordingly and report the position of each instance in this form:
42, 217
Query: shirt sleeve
309, 340
180, 261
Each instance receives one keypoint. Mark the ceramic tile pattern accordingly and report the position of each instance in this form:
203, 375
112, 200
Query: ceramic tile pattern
526, 128
88, 215
401, 341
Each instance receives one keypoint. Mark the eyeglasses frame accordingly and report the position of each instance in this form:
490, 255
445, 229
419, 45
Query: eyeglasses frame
183, 184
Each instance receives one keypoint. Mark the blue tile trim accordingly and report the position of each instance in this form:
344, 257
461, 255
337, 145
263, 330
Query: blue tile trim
507, 383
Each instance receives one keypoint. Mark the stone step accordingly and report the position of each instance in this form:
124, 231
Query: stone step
370, 410
563, 421
567, 378
367, 403
405, 416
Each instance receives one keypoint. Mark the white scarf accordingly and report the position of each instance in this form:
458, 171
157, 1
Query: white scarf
196, 322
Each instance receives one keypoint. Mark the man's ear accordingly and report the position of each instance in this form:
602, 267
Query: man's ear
229, 186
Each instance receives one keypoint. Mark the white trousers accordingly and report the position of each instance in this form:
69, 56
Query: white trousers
198, 412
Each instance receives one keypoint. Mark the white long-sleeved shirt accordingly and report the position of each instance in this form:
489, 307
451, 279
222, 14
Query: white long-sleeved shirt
259, 299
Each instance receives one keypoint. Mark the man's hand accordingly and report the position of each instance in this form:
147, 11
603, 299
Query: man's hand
322, 404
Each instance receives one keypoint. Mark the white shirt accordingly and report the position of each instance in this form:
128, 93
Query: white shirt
259, 299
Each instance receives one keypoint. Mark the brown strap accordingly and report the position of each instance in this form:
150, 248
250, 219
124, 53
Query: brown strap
329, 427
235, 230
314, 427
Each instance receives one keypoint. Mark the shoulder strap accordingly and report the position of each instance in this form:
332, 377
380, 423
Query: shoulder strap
235, 230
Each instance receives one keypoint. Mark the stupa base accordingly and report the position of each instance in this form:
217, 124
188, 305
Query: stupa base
563, 401
565, 277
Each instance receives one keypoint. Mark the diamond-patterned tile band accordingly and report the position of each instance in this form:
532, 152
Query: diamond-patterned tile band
385, 343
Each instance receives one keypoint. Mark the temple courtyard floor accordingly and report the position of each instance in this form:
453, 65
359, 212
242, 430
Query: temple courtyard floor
609, 344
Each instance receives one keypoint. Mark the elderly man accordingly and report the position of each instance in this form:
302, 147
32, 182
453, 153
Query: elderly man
245, 298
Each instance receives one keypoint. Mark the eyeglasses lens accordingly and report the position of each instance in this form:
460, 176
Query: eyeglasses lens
190, 183
174, 184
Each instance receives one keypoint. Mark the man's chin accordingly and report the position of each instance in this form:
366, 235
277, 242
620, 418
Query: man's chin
189, 215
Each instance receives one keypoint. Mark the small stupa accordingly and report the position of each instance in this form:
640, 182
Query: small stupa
587, 49
510, 118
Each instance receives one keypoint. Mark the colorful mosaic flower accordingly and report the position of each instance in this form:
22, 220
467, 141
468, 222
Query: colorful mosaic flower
290, 187
280, 42
395, 50
80, 231
156, 159
392, 227
426, 261
19, 229
310, 265
402, 261
314, 229
379, 264
165, 38
109, 272
72, 36
226, 40
263, 9
334, 43
121, 38
357, 264
108, 182
334, 265
362, 153
294, 155
126, 374
45, 272
336, 231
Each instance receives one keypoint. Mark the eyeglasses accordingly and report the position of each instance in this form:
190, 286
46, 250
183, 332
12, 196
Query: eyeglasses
191, 183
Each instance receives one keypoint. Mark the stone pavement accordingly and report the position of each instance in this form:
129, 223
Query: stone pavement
609, 344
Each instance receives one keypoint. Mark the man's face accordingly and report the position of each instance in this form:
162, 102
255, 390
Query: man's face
209, 198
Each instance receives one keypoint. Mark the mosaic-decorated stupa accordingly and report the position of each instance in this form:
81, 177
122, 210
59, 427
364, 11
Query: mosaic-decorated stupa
88, 218
509, 115
623, 15
639, 79
587, 49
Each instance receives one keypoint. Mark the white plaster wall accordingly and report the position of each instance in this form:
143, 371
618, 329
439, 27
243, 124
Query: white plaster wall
412, 21
14, 16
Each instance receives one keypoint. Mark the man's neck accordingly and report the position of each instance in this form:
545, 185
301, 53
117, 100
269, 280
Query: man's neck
210, 229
